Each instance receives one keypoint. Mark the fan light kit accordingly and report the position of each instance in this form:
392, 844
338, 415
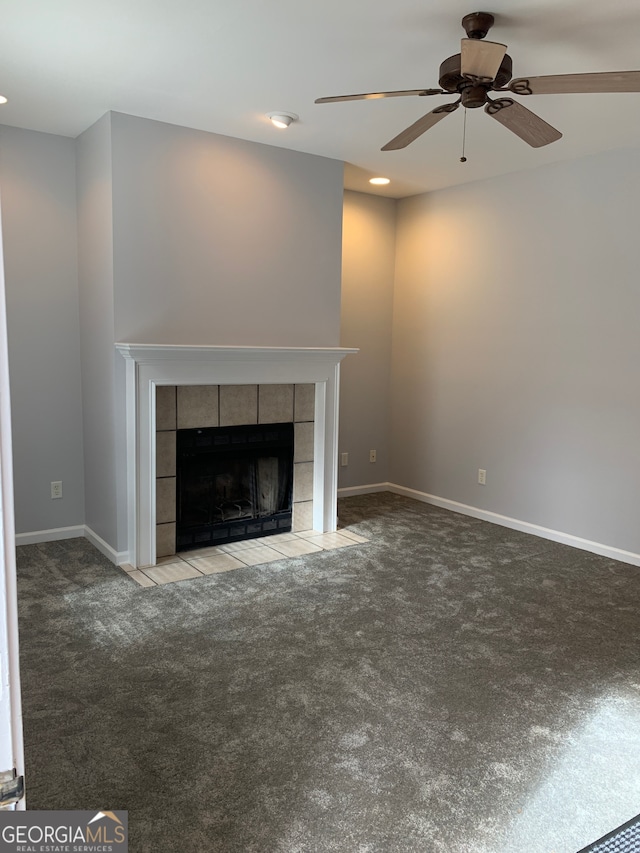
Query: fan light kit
379, 181
282, 120
3, 100
484, 66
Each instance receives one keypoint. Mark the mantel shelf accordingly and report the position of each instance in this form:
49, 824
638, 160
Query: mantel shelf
161, 352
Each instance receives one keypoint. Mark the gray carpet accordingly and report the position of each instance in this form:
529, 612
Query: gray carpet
450, 686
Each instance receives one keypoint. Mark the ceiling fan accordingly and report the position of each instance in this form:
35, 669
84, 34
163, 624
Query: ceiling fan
484, 66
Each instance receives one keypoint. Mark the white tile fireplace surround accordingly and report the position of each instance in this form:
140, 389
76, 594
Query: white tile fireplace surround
148, 366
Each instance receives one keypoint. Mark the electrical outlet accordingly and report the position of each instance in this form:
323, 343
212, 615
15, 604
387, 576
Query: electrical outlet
344, 459
56, 489
482, 476
372, 456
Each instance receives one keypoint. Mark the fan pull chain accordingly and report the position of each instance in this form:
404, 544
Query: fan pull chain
463, 159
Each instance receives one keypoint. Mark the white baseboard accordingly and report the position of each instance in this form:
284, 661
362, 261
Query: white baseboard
52, 535
349, 491
75, 532
117, 557
503, 520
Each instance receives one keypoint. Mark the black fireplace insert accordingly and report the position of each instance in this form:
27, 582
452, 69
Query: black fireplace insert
233, 483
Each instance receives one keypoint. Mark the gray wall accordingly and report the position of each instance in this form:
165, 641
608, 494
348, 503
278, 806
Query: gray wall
222, 241
181, 237
189, 237
37, 180
368, 260
95, 272
516, 347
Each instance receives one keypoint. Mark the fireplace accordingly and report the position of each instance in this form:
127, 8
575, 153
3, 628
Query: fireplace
243, 413
149, 368
233, 483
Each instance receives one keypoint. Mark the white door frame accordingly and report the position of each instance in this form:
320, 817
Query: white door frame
11, 737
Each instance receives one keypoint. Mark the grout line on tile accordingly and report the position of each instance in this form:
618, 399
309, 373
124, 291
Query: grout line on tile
287, 540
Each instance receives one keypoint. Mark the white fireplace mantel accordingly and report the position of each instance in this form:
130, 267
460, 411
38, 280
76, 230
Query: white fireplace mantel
149, 365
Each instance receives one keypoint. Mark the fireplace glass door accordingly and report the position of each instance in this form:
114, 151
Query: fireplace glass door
233, 483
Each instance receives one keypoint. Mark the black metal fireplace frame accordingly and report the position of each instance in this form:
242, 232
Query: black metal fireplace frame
213, 447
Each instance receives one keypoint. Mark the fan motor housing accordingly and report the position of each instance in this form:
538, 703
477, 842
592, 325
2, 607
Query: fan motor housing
474, 96
452, 80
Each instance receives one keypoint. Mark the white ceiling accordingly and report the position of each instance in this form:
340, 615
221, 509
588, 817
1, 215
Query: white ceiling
221, 65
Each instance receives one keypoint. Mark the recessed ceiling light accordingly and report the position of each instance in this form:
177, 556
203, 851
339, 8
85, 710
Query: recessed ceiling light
379, 181
282, 120
3, 100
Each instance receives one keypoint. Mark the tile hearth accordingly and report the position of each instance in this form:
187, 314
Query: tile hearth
240, 555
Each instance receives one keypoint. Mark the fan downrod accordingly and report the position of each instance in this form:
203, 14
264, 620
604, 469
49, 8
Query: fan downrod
477, 24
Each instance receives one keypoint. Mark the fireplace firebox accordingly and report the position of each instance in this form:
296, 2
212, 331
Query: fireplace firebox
233, 483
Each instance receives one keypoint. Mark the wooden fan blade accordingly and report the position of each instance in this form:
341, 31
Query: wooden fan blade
521, 121
481, 60
419, 127
575, 84
372, 96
